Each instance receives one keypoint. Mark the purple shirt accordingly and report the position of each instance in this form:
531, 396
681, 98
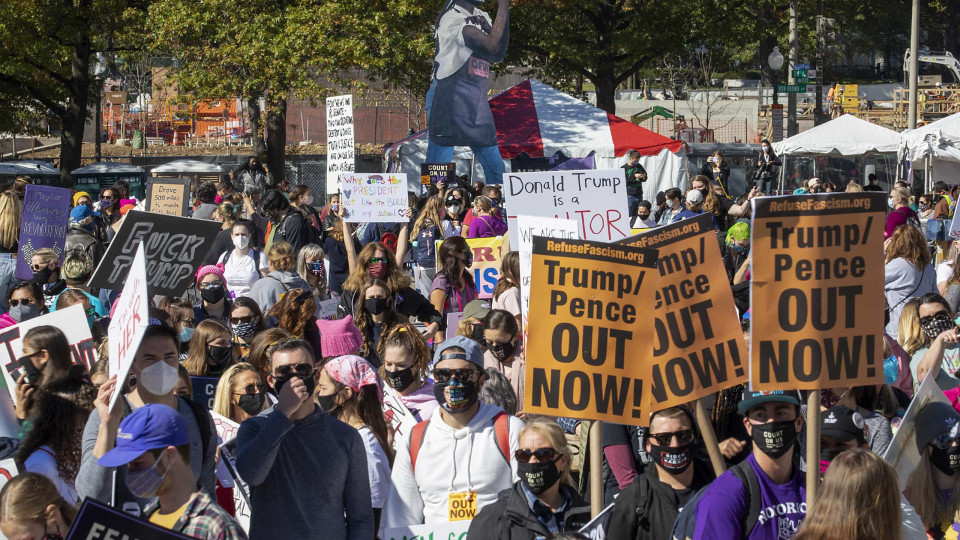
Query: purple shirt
720, 508
487, 227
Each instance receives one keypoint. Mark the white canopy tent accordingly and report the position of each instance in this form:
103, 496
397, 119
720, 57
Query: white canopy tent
936, 148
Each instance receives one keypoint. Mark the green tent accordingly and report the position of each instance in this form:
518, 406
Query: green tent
650, 113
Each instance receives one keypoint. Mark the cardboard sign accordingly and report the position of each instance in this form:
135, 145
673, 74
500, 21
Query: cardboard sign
432, 174
204, 390
174, 249
699, 348
376, 197
97, 521
595, 200
72, 321
340, 149
168, 196
455, 530
527, 228
592, 304
902, 452
131, 315
816, 294
46, 217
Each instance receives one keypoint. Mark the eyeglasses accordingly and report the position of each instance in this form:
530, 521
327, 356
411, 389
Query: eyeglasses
303, 370
189, 323
252, 389
543, 455
663, 439
461, 375
238, 320
25, 301
375, 260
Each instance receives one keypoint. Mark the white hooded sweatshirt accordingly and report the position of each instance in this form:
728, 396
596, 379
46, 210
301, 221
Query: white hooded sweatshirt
450, 461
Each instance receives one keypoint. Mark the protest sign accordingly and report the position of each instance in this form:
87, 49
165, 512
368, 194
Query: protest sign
487, 257
340, 149
204, 390
168, 196
527, 228
595, 200
454, 530
226, 434
902, 453
955, 226
698, 347
46, 216
131, 315
596, 528
327, 309
816, 292
400, 418
72, 321
97, 521
592, 304
374, 197
432, 174
174, 248
453, 319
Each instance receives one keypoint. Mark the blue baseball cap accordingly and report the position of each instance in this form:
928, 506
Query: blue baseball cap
148, 428
752, 399
82, 212
472, 352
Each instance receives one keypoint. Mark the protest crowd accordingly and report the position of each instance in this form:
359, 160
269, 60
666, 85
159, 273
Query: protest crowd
324, 377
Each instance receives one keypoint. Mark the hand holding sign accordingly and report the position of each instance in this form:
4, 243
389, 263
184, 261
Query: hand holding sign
129, 322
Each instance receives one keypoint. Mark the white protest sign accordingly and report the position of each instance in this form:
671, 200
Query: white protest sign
327, 309
129, 322
454, 530
374, 197
340, 149
226, 440
595, 200
453, 319
398, 416
954, 226
527, 228
902, 452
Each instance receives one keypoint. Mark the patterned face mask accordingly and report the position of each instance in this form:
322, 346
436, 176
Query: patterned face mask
936, 324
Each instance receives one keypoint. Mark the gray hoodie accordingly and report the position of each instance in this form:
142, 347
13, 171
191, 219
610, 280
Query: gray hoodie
267, 291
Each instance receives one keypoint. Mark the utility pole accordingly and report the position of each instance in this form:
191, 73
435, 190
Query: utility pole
794, 55
818, 65
914, 53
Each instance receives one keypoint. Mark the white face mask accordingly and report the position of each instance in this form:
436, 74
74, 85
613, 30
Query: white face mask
669, 203
241, 242
159, 379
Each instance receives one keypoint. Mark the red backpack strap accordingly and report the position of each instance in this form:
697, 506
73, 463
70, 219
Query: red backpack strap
501, 427
416, 441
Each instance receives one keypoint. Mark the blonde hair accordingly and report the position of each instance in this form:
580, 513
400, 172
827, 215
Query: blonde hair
208, 330
221, 400
11, 212
429, 216
76, 267
47, 255
26, 498
552, 432
484, 202
903, 194
858, 500
853, 187
228, 213
280, 256
910, 334
923, 494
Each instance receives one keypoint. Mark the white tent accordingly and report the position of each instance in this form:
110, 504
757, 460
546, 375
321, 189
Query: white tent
844, 136
937, 140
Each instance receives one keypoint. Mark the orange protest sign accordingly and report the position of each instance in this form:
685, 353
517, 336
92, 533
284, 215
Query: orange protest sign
698, 347
590, 330
816, 296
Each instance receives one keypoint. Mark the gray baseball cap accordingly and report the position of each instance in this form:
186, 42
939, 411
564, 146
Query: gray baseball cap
472, 352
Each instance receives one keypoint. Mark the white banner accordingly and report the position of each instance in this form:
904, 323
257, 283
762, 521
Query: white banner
527, 228
129, 322
374, 197
455, 530
340, 149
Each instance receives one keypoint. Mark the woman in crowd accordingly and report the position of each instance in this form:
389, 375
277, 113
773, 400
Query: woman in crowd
429, 228
25, 299
408, 394
901, 214
211, 350
260, 346
302, 200
350, 390
910, 334
11, 213
506, 295
240, 393
908, 271
543, 465
500, 337
945, 268
940, 353
246, 320
925, 206
456, 205
862, 399
933, 488
738, 248
719, 205
335, 246
32, 508
227, 214
267, 291
46, 272
242, 265
767, 167
46, 358
717, 170
485, 223
183, 320
52, 446
674, 204
294, 312
453, 288
214, 303
251, 174
693, 207
496, 390
375, 315
311, 268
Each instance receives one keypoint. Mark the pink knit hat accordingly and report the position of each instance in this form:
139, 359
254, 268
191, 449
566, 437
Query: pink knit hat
339, 338
210, 269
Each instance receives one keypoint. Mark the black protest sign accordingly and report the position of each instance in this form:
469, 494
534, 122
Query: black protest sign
816, 296
97, 521
174, 248
204, 390
432, 174
698, 347
592, 336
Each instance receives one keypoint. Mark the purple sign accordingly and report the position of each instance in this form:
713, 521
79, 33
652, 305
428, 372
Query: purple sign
46, 216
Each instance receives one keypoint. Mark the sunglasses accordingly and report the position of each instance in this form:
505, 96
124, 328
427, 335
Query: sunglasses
543, 455
210, 285
303, 370
106, 198
189, 323
252, 389
37, 267
938, 315
461, 375
25, 301
684, 436
467, 257
375, 260
238, 320
945, 439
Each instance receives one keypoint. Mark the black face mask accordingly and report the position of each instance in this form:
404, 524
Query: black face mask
220, 356
310, 381
329, 404
462, 395
42, 276
375, 306
34, 374
674, 460
704, 193
946, 460
538, 477
401, 379
251, 404
212, 295
478, 332
826, 456
775, 438
503, 351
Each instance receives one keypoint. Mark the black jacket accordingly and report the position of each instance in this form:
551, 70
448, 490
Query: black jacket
510, 518
294, 230
647, 508
408, 302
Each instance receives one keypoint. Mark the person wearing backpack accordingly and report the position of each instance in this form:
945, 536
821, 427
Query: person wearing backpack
459, 460
648, 507
901, 213
429, 228
763, 497
289, 224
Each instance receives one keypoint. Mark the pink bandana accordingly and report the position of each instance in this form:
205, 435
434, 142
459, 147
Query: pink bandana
355, 373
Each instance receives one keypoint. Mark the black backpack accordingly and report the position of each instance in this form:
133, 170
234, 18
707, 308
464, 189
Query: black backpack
426, 251
686, 522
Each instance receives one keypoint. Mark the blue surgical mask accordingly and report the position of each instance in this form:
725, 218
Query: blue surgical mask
186, 334
891, 369
145, 483
890, 202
